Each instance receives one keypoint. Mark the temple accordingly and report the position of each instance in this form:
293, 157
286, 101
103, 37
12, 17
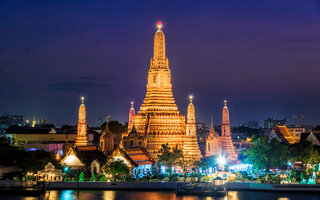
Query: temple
107, 141
159, 120
131, 114
82, 137
226, 145
191, 147
212, 142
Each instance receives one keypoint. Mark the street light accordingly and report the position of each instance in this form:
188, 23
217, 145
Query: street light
221, 161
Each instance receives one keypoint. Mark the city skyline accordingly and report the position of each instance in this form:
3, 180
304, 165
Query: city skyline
58, 54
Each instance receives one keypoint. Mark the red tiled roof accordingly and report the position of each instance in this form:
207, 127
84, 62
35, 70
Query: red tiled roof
139, 155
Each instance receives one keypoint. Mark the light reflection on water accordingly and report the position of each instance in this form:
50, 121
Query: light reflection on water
159, 195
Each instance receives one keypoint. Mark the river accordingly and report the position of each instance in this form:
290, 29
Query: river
159, 195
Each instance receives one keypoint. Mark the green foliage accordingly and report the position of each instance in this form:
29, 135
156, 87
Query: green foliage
93, 177
102, 178
305, 152
185, 164
28, 161
306, 175
81, 176
169, 157
266, 152
117, 168
173, 177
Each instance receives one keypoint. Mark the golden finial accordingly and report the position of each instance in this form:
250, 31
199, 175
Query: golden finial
159, 25
131, 104
190, 97
225, 102
82, 99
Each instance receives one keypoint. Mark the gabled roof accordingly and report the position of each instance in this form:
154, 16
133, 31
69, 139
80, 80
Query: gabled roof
139, 155
284, 134
135, 156
314, 138
86, 154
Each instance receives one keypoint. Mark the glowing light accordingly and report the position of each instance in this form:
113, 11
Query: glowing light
72, 160
159, 25
221, 160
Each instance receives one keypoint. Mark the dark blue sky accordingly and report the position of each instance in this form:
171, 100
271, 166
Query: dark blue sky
262, 56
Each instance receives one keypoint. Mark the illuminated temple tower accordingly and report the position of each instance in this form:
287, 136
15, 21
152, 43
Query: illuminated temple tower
191, 148
212, 142
82, 137
226, 144
131, 114
159, 120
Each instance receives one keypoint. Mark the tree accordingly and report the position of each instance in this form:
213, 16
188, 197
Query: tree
203, 164
266, 152
117, 168
169, 157
185, 164
30, 161
305, 152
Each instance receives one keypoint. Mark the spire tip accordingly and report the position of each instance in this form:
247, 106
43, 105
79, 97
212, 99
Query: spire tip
190, 98
159, 25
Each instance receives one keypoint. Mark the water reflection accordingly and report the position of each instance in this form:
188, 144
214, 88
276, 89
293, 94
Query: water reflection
160, 195
109, 195
66, 194
232, 195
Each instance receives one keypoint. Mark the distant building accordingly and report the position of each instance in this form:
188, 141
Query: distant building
270, 123
11, 120
288, 135
254, 124
312, 136
47, 139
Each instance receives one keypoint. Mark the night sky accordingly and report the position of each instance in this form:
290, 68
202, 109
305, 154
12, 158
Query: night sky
262, 56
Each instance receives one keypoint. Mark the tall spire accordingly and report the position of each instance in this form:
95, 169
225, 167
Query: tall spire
131, 114
211, 127
226, 144
191, 147
225, 114
106, 140
159, 49
191, 111
82, 137
159, 97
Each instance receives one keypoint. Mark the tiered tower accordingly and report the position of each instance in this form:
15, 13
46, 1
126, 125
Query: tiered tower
191, 148
107, 141
131, 114
159, 119
212, 142
82, 137
226, 144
